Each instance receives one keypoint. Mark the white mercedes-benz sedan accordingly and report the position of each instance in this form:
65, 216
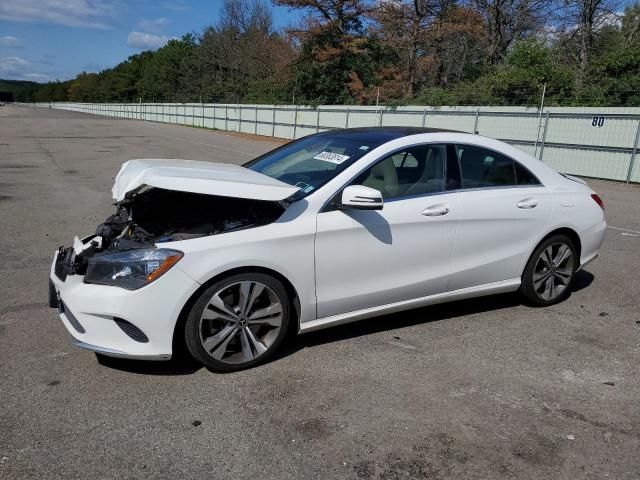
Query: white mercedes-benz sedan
331, 228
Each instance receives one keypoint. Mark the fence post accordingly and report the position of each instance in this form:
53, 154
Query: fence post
380, 120
475, 125
424, 118
239, 118
346, 119
255, 130
317, 119
295, 121
273, 120
226, 117
633, 154
544, 135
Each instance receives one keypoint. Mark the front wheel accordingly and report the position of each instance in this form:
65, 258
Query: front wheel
238, 322
549, 274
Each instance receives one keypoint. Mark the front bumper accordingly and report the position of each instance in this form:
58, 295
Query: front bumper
122, 323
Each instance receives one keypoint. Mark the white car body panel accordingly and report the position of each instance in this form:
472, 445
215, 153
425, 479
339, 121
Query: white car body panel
367, 258
285, 247
224, 179
154, 309
481, 256
463, 294
343, 265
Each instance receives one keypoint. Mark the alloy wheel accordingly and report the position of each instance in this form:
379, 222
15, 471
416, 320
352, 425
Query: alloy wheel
240, 322
553, 271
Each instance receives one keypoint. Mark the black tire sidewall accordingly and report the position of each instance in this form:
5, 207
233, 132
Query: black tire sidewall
527, 288
192, 325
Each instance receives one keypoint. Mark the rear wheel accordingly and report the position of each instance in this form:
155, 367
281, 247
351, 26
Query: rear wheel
549, 274
238, 322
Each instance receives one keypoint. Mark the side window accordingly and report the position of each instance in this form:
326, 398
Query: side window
480, 167
524, 176
404, 159
415, 171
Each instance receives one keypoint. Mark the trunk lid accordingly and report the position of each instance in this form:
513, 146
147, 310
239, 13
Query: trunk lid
222, 179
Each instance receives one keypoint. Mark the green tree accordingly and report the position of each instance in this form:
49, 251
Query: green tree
84, 88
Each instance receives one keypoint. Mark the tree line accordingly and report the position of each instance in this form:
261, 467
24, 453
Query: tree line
393, 52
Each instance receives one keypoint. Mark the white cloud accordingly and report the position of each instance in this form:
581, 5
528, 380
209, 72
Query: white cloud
16, 68
155, 25
73, 13
146, 41
37, 77
175, 5
13, 66
609, 19
9, 41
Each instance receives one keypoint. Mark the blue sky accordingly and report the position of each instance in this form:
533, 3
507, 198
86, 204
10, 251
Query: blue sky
43, 40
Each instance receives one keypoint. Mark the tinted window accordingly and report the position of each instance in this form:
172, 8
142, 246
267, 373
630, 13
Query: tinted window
312, 161
404, 159
480, 167
415, 171
524, 176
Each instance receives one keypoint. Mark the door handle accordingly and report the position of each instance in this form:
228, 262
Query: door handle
527, 203
436, 210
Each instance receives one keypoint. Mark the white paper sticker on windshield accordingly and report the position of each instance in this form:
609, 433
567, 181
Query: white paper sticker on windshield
305, 187
331, 157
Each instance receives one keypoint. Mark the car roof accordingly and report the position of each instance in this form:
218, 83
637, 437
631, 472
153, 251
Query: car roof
380, 135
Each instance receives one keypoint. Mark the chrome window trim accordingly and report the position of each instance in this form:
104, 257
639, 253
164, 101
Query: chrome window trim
497, 187
420, 195
460, 190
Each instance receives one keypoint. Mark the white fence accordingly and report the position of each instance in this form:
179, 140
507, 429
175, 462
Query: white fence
591, 142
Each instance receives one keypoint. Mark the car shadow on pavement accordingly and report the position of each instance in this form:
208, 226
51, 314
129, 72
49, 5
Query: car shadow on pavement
183, 364
416, 316
582, 280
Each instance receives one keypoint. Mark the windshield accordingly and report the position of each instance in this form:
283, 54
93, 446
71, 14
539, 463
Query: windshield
312, 161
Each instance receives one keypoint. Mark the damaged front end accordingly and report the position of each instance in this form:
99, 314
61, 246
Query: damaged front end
126, 250
157, 215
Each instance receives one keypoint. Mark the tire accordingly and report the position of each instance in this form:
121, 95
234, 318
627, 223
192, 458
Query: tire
238, 322
550, 272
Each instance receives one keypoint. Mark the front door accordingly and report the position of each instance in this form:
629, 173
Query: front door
368, 258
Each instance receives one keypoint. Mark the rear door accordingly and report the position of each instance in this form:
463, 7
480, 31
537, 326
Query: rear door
503, 209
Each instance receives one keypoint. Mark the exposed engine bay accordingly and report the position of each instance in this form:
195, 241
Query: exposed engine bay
156, 215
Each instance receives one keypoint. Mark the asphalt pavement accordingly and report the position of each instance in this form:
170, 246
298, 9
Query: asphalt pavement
482, 389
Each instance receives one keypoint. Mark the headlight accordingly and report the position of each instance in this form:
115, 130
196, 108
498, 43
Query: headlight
132, 269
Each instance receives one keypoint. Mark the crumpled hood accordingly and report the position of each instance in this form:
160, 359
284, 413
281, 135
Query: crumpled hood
195, 176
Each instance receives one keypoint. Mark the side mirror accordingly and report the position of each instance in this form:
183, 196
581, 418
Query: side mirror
361, 198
